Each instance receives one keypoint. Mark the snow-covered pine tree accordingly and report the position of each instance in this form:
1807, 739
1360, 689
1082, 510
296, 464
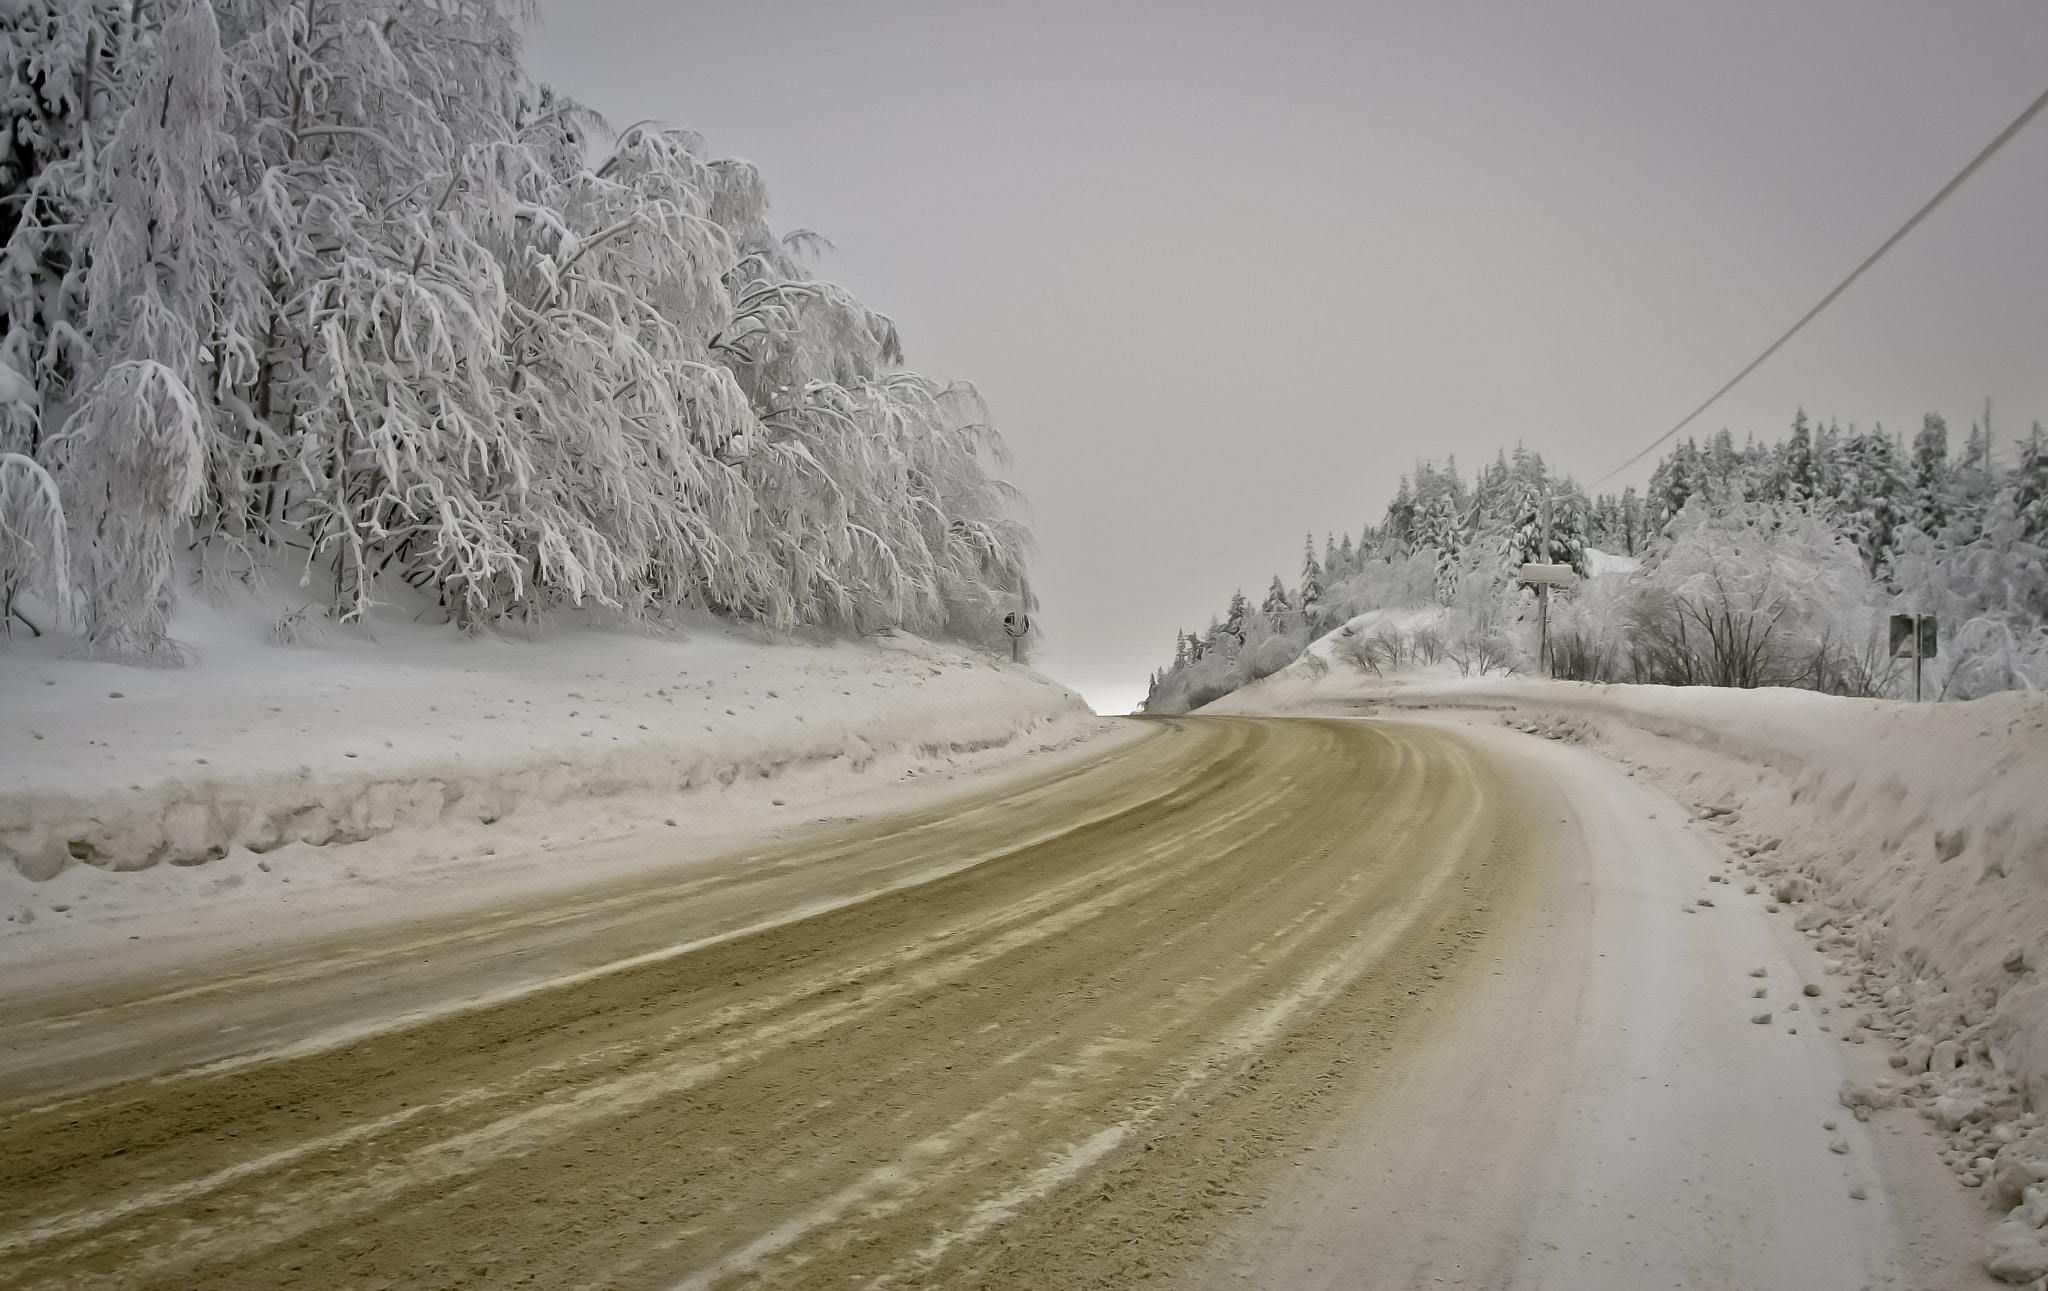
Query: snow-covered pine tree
1930, 475
1235, 617
1311, 593
1441, 529
1721, 467
1634, 532
1569, 523
1673, 481
2030, 487
1794, 480
1868, 494
1276, 602
1401, 516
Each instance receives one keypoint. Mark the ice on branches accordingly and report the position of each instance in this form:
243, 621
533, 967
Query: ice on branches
336, 287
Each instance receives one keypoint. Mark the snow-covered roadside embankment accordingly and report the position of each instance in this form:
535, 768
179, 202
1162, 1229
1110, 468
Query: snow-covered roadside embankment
1909, 842
263, 761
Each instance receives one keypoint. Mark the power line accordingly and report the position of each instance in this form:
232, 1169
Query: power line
2004, 135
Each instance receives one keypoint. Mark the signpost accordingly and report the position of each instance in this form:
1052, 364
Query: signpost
1913, 637
1543, 576
1016, 625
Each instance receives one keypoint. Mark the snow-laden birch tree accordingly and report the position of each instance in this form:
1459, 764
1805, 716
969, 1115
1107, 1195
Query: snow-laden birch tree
330, 284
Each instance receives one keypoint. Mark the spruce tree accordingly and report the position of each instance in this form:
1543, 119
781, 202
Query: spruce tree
1234, 619
1311, 576
1442, 530
1632, 530
1795, 476
1930, 475
1276, 602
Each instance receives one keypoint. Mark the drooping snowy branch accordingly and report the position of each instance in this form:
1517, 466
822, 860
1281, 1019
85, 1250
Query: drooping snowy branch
347, 268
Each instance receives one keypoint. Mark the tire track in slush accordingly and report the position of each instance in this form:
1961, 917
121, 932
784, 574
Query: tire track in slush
943, 1082
993, 933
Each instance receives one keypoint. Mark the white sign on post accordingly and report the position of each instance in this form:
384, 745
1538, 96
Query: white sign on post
1553, 575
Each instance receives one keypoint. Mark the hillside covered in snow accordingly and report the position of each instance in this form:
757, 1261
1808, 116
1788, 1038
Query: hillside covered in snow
264, 785
445, 458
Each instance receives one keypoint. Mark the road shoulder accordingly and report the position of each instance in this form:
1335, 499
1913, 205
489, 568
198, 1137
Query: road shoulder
1605, 1110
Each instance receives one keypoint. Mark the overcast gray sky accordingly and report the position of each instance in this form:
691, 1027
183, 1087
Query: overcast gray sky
1224, 272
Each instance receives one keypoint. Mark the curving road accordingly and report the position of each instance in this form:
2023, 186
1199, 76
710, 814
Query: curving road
1056, 1033
1091, 1027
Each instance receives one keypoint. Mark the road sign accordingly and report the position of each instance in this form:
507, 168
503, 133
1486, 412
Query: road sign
1905, 639
1913, 638
1551, 575
1016, 625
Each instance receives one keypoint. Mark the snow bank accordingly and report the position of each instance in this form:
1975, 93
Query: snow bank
1909, 841
121, 785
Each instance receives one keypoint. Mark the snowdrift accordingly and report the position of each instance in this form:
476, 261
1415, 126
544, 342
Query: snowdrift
1910, 841
260, 758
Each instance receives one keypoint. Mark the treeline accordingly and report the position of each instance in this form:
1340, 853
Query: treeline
336, 288
1769, 564
1443, 542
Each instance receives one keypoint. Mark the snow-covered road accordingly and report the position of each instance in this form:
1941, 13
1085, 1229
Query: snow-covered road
1605, 1110
1247, 1001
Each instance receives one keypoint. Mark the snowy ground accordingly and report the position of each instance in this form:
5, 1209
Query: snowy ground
266, 786
1574, 1125
1907, 848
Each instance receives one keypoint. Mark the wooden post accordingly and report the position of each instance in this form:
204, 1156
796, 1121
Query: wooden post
1543, 597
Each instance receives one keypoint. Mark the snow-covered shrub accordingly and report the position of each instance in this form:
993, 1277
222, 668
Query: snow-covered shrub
1989, 591
1753, 595
1271, 655
1478, 628
1271, 646
1586, 638
1356, 649
1426, 643
1405, 580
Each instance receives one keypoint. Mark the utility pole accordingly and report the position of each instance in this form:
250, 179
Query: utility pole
1540, 574
1543, 593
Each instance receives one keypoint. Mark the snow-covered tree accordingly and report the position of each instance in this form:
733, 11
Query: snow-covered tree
1568, 534
1868, 494
1930, 475
1441, 529
1234, 618
1311, 594
1276, 602
1754, 595
1777, 564
334, 286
